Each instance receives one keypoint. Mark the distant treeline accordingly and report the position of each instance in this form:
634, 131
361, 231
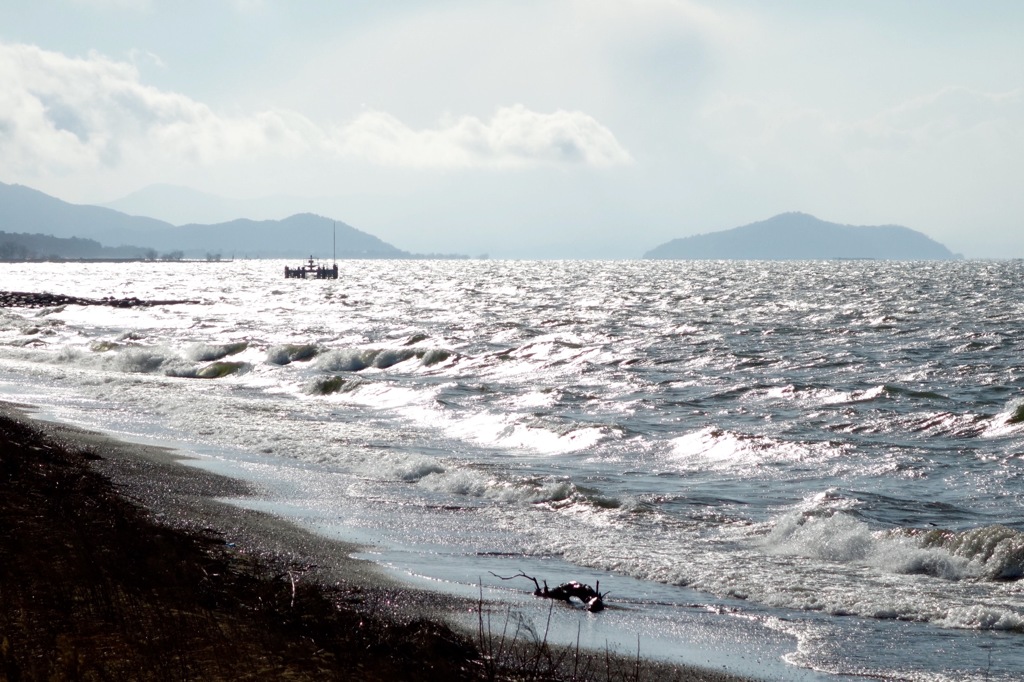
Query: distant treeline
442, 256
24, 246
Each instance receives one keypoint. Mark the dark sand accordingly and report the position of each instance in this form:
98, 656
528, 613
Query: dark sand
116, 563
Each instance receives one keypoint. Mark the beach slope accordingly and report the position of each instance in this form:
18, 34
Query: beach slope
117, 562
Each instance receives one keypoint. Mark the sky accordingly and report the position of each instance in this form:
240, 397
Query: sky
530, 128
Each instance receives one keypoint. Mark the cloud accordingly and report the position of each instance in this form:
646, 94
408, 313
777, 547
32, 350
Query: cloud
66, 114
144, 57
942, 116
146, 5
514, 137
136, 5
60, 114
963, 121
647, 18
248, 6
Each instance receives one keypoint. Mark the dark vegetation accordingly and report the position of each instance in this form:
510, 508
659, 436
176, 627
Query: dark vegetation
24, 246
91, 590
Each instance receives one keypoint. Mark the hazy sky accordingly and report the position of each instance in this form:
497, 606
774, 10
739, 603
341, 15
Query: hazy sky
522, 128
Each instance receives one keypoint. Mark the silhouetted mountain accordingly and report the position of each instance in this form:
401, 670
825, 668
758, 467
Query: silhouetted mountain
181, 205
26, 210
798, 236
297, 236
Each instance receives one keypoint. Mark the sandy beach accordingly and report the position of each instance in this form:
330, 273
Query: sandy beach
118, 563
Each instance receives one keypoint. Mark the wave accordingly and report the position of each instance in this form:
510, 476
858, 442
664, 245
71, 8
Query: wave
142, 360
137, 359
840, 538
832, 396
406, 467
217, 370
1015, 414
205, 352
474, 483
291, 352
537, 434
431, 475
829, 532
358, 359
979, 617
996, 551
435, 356
1010, 420
214, 370
348, 360
722, 449
332, 384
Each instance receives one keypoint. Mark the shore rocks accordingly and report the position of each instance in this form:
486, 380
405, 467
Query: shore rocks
28, 299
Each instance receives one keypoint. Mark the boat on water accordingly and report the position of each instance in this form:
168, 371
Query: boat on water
311, 270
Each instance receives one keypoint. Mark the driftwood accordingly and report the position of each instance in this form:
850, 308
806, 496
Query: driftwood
592, 597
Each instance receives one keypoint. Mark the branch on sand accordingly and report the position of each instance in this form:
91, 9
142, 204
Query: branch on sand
592, 597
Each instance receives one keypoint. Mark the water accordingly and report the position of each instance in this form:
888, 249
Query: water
802, 470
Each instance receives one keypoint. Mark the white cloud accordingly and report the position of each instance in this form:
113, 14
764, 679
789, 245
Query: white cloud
514, 137
61, 114
142, 57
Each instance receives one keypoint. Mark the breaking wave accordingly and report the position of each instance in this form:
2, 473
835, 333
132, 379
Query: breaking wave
291, 352
840, 538
358, 359
473, 483
989, 553
205, 352
996, 551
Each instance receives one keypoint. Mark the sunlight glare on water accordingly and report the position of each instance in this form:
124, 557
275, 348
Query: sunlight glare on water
813, 452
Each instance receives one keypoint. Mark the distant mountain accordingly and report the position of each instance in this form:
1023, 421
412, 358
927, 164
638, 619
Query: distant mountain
179, 205
186, 206
23, 209
798, 236
26, 210
299, 236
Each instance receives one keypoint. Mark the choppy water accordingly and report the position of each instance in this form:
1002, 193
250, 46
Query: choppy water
814, 465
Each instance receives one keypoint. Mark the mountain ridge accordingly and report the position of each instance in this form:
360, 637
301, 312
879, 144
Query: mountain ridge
181, 205
26, 210
800, 236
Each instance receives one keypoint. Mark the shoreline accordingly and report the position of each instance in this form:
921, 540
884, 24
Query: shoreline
135, 570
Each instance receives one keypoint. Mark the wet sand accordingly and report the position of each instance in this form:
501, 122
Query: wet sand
116, 562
